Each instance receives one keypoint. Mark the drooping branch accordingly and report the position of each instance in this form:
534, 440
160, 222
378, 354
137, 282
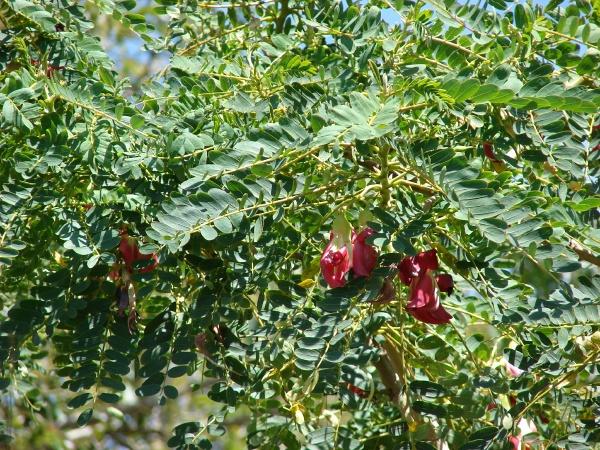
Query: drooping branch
583, 254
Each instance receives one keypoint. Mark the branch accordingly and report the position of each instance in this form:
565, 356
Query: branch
285, 10
583, 253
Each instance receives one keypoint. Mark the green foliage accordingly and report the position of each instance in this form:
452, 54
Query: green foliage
229, 166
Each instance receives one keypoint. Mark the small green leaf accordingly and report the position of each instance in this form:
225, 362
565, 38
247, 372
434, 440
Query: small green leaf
85, 417
170, 391
137, 122
585, 204
80, 400
108, 397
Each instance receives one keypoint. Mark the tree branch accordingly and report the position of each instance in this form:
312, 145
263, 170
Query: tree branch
583, 254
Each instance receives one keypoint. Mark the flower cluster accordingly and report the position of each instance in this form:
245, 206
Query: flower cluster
340, 256
417, 272
424, 301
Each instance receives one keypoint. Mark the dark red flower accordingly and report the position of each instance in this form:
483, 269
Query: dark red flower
515, 442
364, 256
488, 151
51, 69
150, 267
424, 303
335, 263
491, 405
407, 270
414, 266
131, 254
356, 390
129, 249
445, 283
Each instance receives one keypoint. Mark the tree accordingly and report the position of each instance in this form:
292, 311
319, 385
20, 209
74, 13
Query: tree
366, 235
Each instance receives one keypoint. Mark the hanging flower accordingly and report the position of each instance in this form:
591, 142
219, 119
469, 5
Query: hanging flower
336, 260
415, 266
525, 427
512, 370
131, 254
129, 250
424, 303
364, 256
488, 151
445, 283
335, 263
515, 442
356, 390
150, 267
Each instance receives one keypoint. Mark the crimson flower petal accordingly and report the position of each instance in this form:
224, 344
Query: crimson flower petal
424, 303
515, 442
407, 269
435, 317
440, 316
149, 267
335, 263
129, 249
364, 256
422, 293
445, 283
427, 261
488, 151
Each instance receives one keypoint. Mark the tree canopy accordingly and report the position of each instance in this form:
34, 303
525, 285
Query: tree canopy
355, 225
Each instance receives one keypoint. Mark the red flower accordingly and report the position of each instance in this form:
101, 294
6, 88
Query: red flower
424, 303
335, 263
356, 390
415, 266
406, 270
445, 283
129, 249
513, 371
149, 267
488, 151
364, 256
131, 254
515, 441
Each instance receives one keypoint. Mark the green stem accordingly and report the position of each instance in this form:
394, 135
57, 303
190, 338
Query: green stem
384, 176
